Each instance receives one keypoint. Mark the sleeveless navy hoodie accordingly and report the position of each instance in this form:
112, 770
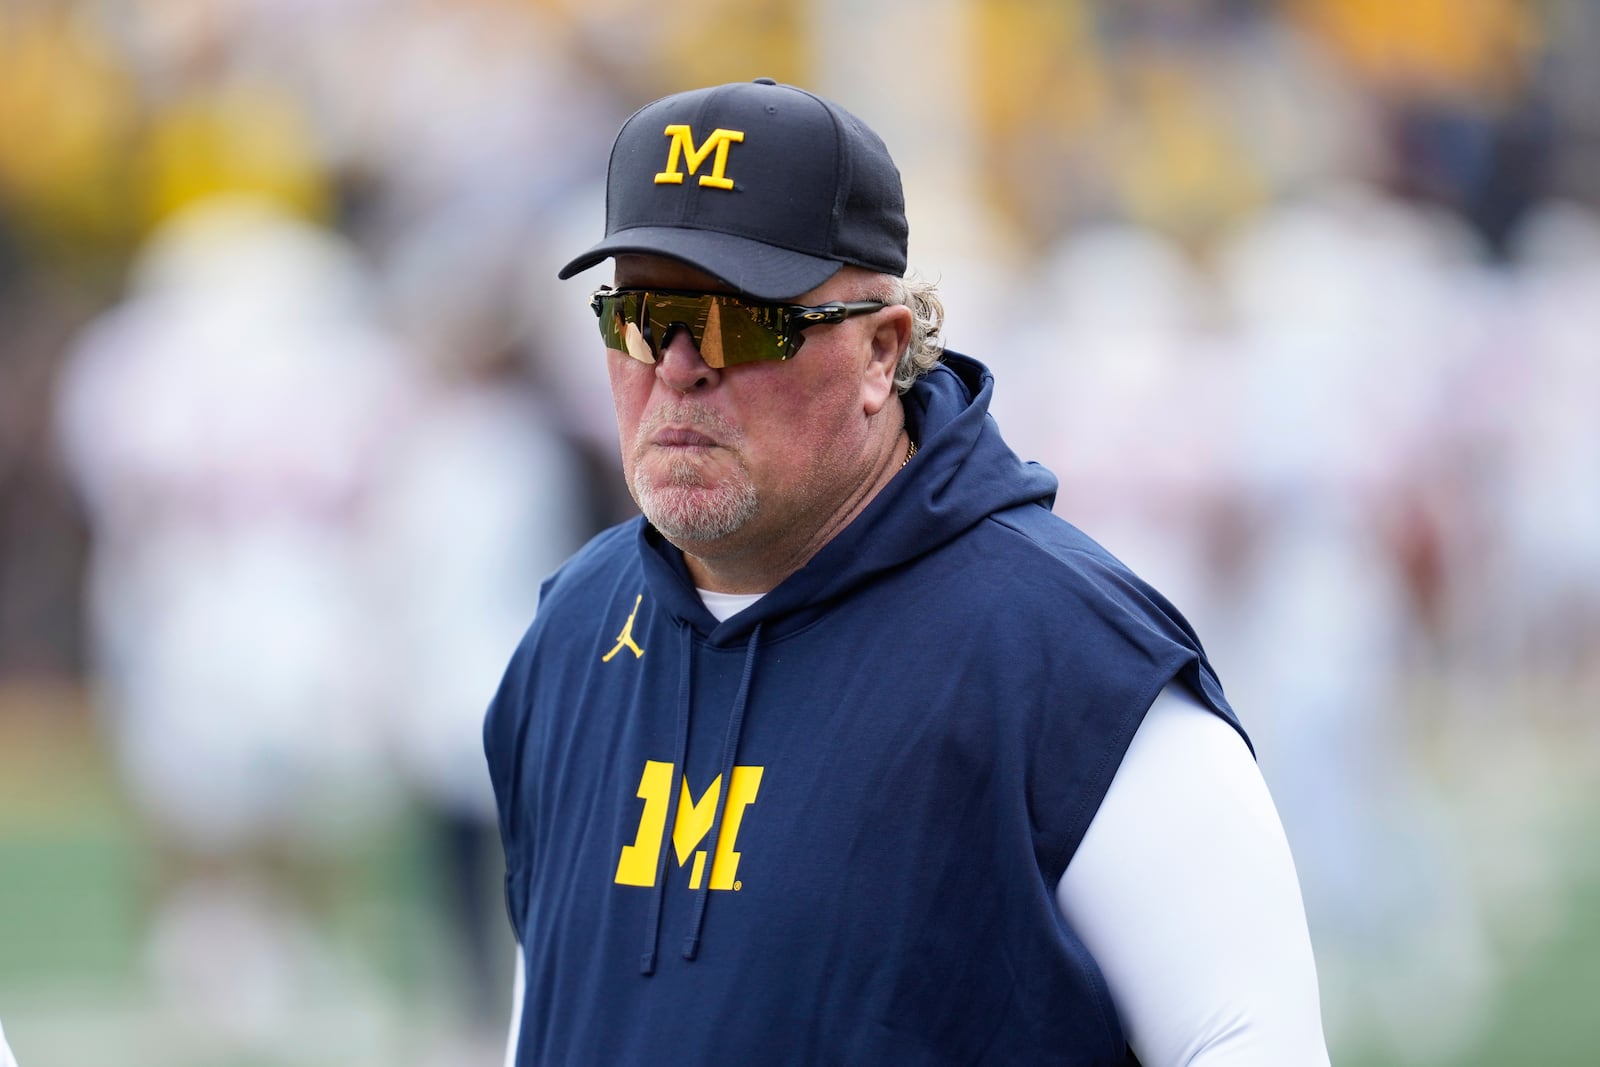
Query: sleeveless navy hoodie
829, 829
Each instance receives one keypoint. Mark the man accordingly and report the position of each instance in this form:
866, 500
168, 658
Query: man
849, 751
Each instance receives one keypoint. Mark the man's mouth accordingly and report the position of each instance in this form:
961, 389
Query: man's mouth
682, 438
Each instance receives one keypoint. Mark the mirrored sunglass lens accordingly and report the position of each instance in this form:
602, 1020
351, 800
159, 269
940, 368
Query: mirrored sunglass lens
747, 334
614, 312
619, 320
665, 311
726, 332
717, 325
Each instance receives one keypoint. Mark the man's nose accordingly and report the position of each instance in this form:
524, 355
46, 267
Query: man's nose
679, 366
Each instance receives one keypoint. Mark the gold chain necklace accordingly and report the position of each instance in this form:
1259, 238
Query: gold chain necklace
909, 453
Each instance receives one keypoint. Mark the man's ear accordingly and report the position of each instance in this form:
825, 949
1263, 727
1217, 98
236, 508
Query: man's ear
890, 335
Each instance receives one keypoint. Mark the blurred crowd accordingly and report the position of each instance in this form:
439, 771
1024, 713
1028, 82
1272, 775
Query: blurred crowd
1300, 299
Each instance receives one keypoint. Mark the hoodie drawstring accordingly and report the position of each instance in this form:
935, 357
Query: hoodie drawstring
730, 753
647, 961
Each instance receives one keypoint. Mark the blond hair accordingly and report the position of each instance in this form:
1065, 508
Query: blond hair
926, 347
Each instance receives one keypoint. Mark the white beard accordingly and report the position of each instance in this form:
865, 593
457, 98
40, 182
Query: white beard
683, 508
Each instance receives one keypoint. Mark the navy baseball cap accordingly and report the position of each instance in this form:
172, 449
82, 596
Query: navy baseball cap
768, 187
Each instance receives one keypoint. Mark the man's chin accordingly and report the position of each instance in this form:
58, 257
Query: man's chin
697, 515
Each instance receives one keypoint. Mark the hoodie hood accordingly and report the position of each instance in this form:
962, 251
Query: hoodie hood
963, 472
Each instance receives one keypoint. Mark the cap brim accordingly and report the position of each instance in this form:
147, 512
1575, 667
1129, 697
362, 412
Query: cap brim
759, 270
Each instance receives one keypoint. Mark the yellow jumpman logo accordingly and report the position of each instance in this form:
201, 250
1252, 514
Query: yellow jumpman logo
625, 638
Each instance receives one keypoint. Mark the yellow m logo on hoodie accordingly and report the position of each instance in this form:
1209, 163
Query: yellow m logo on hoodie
637, 864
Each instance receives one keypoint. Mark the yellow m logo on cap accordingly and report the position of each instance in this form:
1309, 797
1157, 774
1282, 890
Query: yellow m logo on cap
683, 149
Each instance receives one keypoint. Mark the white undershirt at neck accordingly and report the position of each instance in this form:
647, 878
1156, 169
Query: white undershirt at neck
726, 605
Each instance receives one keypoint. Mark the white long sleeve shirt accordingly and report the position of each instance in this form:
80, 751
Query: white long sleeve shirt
1185, 893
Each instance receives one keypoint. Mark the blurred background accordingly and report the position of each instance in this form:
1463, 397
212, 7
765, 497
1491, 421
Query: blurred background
1301, 299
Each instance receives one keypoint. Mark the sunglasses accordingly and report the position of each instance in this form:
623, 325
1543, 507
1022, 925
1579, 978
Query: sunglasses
728, 330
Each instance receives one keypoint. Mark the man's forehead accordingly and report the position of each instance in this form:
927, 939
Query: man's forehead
635, 270
638, 271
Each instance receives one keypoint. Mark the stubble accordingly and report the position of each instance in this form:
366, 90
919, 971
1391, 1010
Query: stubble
678, 497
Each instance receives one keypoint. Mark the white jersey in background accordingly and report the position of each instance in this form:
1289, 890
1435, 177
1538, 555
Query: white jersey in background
6, 1058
